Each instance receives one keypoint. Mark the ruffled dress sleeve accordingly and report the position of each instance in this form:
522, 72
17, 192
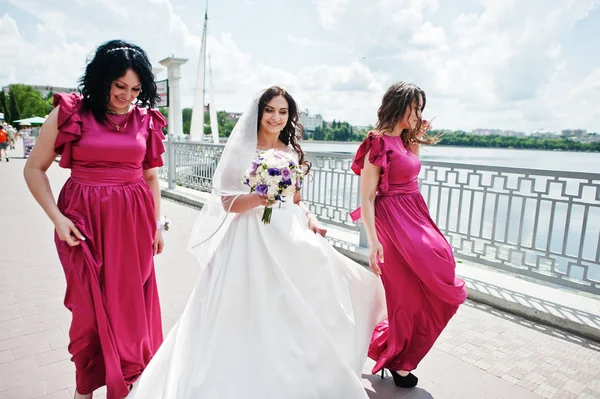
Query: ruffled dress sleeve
379, 154
69, 125
154, 146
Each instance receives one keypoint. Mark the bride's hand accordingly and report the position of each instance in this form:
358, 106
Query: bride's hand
315, 226
261, 200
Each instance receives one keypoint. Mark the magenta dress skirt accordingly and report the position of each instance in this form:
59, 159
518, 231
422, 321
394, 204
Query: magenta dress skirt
421, 288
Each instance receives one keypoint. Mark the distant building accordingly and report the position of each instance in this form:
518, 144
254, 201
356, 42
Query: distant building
591, 138
578, 133
545, 135
310, 122
587, 138
233, 117
497, 132
45, 90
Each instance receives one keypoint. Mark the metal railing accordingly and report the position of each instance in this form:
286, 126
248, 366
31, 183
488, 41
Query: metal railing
542, 224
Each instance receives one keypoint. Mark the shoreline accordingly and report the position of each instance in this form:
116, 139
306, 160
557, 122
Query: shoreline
449, 146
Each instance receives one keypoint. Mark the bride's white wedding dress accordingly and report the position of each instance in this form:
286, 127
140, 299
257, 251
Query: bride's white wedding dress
277, 314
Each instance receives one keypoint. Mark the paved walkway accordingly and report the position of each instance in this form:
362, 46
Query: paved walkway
484, 353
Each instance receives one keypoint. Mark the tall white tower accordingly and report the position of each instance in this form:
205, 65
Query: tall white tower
197, 126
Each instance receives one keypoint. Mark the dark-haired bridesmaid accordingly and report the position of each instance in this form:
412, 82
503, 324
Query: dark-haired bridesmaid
107, 219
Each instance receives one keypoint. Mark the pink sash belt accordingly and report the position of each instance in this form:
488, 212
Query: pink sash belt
106, 176
393, 189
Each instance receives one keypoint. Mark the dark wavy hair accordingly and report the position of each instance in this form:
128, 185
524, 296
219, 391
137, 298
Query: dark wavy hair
293, 130
111, 61
393, 107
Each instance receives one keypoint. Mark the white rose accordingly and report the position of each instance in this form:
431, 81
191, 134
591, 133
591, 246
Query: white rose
254, 180
272, 192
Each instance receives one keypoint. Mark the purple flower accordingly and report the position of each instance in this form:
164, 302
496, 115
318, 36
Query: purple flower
298, 184
262, 189
285, 183
286, 173
274, 172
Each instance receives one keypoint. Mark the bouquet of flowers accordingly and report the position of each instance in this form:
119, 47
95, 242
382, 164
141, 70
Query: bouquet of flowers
274, 175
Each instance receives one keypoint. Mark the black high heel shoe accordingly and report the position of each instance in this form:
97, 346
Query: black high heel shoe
410, 381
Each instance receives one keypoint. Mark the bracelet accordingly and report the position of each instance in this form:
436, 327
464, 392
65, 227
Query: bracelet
163, 224
307, 213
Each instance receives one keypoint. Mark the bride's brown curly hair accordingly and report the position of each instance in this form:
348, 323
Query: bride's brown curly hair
394, 104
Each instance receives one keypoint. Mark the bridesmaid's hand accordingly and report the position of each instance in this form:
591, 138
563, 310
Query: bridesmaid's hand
375, 255
425, 126
159, 242
67, 231
315, 226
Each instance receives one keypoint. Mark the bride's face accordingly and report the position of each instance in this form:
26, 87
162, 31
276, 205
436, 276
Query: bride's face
275, 116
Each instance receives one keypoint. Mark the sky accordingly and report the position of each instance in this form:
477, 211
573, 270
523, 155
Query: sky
527, 65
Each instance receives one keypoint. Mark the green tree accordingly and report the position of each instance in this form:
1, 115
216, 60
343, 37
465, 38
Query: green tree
186, 120
50, 100
318, 134
225, 125
164, 111
341, 133
463, 139
4, 105
26, 102
13, 110
360, 135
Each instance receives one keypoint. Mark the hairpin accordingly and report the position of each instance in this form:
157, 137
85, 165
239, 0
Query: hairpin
123, 48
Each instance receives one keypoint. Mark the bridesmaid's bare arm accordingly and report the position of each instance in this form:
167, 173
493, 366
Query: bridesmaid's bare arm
41, 157
415, 148
151, 178
369, 179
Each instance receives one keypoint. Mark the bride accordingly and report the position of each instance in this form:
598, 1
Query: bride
277, 311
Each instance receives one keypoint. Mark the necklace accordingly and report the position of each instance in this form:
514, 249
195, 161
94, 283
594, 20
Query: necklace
117, 123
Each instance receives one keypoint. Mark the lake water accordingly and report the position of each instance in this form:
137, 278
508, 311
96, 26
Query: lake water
550, 227
531, 159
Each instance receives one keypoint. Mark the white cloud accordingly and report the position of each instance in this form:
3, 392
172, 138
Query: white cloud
341, 92
303, 41
55, 49
484, 63
493, 62
430, 36
330, 10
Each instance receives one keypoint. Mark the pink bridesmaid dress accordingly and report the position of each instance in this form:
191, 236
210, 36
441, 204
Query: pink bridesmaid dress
422, 291
111, 285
